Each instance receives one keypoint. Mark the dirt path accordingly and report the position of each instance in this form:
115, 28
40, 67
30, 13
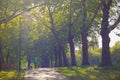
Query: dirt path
43, 74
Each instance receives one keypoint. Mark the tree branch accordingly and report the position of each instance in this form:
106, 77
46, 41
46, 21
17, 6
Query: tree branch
15, 15
95, 14
115, 24
78, 14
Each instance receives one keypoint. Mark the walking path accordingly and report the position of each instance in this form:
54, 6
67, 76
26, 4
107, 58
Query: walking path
43, 74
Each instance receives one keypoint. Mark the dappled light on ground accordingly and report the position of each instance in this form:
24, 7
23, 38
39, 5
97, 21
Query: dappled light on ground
43, 74
91, 73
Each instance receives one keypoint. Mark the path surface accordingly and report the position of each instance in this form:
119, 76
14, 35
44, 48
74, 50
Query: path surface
43, 74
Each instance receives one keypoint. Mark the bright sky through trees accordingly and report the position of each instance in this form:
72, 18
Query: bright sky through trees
113, 37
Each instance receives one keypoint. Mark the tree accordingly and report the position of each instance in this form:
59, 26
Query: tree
70, 34
105, 30
84, 34
1, 56
8, 42
11, 9
53, 21
89, 13
60, 56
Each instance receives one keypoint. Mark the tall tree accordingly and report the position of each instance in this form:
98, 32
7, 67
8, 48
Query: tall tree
105, 30
60, 56
70, 35
54, 22
84, 34
89, 13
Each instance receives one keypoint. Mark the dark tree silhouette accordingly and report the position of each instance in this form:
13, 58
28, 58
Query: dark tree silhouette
84, 34
106, 58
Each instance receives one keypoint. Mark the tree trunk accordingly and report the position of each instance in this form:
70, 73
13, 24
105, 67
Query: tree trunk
19, 47
60, 56
84, 35
0, 64
7, 57
65, 60
64, 57
72, 49
46, 60
1, 57
106, 58
56, 57
84, 49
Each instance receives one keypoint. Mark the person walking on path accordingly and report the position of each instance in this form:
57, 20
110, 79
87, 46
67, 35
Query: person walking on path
35, 61
29, 62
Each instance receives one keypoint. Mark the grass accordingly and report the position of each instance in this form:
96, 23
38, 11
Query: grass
91, 73
11, 75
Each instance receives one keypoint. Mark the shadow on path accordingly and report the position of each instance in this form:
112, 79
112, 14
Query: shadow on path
43, 74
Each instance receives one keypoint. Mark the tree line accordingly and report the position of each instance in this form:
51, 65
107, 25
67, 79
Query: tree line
52, 28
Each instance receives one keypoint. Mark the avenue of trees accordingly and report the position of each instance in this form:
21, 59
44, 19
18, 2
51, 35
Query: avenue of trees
52, 29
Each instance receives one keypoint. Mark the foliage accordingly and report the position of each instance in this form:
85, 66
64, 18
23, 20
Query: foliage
115, 54
36, 31
78, 55
11, 75
94, 56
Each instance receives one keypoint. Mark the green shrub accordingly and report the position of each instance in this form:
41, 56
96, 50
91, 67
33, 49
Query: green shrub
115, 54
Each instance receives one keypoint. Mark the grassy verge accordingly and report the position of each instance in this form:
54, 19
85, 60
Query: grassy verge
11, 75
91, 73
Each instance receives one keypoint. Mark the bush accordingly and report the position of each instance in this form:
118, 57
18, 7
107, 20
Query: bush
115, 54
95, 56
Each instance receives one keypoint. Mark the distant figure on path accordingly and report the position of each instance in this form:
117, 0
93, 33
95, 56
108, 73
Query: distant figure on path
29, 62
35, 61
